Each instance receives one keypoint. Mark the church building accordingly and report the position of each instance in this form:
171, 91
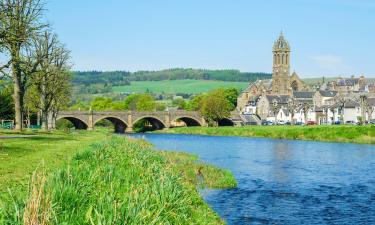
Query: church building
282, 84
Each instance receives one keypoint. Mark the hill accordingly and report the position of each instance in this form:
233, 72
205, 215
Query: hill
177, 86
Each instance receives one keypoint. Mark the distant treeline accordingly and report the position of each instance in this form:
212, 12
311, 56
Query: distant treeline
118, 78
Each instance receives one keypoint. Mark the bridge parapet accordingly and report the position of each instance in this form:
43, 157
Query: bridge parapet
126, 119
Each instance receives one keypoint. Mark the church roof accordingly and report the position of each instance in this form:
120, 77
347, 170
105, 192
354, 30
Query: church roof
281, 43
303, 94
328, 93
264, 84
282, 99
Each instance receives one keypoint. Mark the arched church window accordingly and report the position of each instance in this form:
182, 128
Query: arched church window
294, 86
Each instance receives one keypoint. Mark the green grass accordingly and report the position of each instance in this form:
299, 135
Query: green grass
113, 181
349, 134
20, 157
178, 86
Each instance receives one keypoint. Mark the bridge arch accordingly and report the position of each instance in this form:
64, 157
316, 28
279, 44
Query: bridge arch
78, 123
189, 121
148, 123
119, 124
225, 122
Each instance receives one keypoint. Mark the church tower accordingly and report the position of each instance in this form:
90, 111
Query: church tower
281, 67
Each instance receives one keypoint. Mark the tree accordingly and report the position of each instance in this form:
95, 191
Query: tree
341, 101
19, 23
362, 102
179, 103
215, 108
292, 108
195, 103
275, 107
306, 106
146, 103
140, 102
101, 103
231, 94
51, 78
6, 103
369, 109
79, 105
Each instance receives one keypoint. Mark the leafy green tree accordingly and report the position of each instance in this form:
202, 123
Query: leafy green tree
140, 102
50, 84
160, 106
215, 108
79, 105
146, 103
101, 103
118, 105
195, 103
20, 22
6, 104
231, 94
131, 102
180, 103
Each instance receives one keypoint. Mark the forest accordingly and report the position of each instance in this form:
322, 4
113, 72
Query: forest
119, 78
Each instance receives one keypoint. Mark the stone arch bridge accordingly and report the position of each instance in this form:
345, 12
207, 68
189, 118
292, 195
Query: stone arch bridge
123, 121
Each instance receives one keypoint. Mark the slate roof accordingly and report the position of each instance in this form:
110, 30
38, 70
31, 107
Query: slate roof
351, 104
371, 101
266, 84
254, 98
282, 99
285, 111
318, 109
348, 82
328, 93
303, 94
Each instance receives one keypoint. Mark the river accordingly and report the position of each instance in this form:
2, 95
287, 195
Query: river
285, 182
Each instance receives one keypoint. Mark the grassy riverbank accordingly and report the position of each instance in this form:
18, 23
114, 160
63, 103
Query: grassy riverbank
111, 181
348, 134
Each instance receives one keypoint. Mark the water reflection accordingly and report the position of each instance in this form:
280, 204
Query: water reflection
279, 165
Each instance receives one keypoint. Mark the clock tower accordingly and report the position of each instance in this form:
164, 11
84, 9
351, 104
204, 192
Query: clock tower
281, 67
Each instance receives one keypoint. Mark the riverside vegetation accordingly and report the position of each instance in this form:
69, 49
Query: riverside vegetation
348, 134
113, 181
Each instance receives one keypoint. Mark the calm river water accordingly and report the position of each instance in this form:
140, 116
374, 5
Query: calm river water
285, 182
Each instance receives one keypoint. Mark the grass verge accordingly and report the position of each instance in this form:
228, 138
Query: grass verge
347, 134
114, 181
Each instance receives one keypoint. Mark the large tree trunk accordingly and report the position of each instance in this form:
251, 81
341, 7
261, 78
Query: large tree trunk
18, 88
292, 120
45, 117
18, 101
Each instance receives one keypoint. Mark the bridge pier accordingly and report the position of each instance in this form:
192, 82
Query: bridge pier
90, 124
129, 130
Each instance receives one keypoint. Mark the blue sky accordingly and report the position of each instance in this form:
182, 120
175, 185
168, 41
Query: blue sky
328, 37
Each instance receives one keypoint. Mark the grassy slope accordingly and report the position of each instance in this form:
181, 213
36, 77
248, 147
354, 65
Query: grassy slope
352, 134
112, 181
20, 157
178, 86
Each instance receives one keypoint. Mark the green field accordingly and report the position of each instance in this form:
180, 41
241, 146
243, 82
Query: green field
177, 86
100, 178
347, 134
